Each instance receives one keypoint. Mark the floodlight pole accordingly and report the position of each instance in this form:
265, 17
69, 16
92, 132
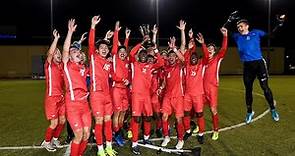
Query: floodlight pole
51, 17
157, 19
269, 35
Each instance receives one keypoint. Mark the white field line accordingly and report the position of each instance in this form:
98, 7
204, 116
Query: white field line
157, 139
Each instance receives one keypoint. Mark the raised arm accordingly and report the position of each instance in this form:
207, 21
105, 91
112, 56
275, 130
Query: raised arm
173, 47
223, 49
66, 48
181, 27
83, 38
127, 35
160, 61
91, 40
155, 31
201, 40
52, 48
134, 52
116, 38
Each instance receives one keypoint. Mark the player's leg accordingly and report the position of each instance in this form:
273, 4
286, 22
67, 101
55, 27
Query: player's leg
86, 118
137, 109
212, 98
198, 106
249, 76
61, 124
187, 116
166, 110
177, 105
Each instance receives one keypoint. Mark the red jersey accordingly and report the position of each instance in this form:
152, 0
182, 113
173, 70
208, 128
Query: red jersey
100, 68
75, 81
174, 80
157, 76
194, 74
142, 73
54, 78
211, 76
121, 68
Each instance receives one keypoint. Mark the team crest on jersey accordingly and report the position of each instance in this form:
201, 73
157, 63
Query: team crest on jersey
107, 67
82, 71
144, 70
248, 38
193, 73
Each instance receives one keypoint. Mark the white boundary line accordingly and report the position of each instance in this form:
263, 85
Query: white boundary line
159, 139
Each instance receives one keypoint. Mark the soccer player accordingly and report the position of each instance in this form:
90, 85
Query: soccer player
173, 98
211, 78
141, 101
77, 109
54, 98
248, 42
100, 97
120, 82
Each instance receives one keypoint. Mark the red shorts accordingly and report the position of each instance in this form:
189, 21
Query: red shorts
193, 101
141, 104
173, 104
101, 104
156, 103
78, 114
54, 107
120, 99
211, 95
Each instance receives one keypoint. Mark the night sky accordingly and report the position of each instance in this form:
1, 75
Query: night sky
29, 20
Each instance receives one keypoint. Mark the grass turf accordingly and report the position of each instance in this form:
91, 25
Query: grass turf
23, 123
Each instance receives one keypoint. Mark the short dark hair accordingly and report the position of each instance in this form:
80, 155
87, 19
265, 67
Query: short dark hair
99, 42
121, 47
243, 21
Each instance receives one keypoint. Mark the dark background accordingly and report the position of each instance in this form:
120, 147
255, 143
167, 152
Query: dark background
29, 20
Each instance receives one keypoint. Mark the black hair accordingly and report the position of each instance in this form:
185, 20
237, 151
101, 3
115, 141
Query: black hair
121, 47
99, 42
243, 21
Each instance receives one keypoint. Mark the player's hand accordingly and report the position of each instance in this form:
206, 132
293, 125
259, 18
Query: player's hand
95, 20
191, 33
223, 31
200, 38
117, 26
127, 32
141, 31
159, 91
109, 35
181, 25
155, 29
72, 26
171, 43
55, 34
148, 29
83, 37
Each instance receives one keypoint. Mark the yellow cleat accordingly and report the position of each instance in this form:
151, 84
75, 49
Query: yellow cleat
110, 151
101, 153
215, 135
196, 130
129, 134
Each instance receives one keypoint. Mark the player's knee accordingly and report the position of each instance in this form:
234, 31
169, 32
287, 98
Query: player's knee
187, 113
107, 118
213, 110
53, 123
78, 136
147, 118
199, 114
136, 119
165, 117
98, 120
86, 135
62, 120
179, 119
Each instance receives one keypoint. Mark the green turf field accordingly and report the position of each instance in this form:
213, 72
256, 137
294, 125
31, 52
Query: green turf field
23, 123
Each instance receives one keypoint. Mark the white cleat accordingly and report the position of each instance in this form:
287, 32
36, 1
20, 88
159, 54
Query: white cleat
48, 146
179, 144
56, 144
165, 141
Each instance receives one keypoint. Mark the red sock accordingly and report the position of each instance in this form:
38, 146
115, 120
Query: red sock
108, 130
201, 124
116, 128
83, 146
74, 149
158, 123
215, 120
48, 134
180, 131
147, 128
165, 128
58, 130
134, 128
186, 123
98, 134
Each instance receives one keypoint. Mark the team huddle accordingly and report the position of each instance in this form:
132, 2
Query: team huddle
146, 83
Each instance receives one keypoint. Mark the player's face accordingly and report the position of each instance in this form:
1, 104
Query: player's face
75, 55
194, 59
142, 57
150, 60
122, 53
164, 56
211, 50
172, 58
57, 56
103, 50
243, 28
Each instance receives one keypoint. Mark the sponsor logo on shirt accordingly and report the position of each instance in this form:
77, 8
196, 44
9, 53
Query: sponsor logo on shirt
107, 67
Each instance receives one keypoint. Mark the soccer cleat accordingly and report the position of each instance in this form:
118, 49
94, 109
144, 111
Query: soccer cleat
215, 135
196, 130
101, 153
179, 144
159, 133
56, 144
147, 141
275, 115
48, 146
165, 141
187, 135
200, 139
119, 140
135, 150
129, 134
249, 117
110, 151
